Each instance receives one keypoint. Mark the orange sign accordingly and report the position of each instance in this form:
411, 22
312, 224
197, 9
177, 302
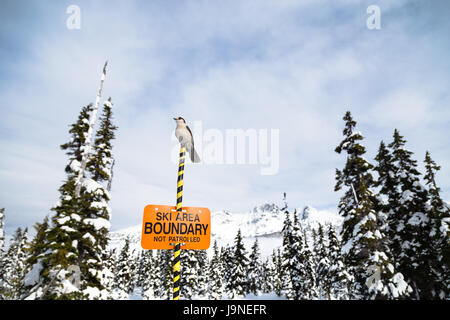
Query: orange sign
163, 226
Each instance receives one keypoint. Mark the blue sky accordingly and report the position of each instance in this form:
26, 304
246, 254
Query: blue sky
296, 66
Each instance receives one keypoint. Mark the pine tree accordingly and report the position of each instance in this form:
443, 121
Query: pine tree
278, 272
107, 277
215, 274
255, 280
369, 259
2, 233
303, 272
355, 174
59, 256
95, 212
323, 263
338, 279
268, 276
439, 214
35, 252
356, 170
2, 243
409, 225
288, 261
388, 196
147, 274
202, 258
189, 280
159, 285
226, 257
123, 274
14, 266
238, 285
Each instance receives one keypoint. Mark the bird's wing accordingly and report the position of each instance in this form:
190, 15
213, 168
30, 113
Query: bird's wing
194, 156
190, 132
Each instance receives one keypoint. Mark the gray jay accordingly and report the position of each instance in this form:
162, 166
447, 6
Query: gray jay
184, 136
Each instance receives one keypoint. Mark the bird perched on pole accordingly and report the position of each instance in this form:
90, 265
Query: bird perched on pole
184, 136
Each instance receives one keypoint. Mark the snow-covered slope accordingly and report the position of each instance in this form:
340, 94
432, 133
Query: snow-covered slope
264, 222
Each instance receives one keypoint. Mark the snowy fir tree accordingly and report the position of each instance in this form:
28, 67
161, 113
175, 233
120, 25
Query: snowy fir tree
95, 212
190, 269
356, 170
215, 275
61, 239
304, 275
2, 244
238, 284
226, 257
255, 272
71, 264
163, 284
369, 259
158, 284
14, 266
388, 196
323, 263
289, 266
35, 251
439, 213
2, 233
109, 263
410, 227
123, 271
268, 271
277, 261
202, 258
338, 279
145, 273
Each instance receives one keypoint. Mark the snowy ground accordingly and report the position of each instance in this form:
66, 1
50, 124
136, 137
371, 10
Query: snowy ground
137, 295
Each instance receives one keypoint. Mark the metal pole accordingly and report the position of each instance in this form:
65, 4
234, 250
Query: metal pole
177, 249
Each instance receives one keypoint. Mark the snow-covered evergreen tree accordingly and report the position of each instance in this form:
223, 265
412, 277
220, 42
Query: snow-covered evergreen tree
439, 213
356, 170
288, 258
2, 244
109, 263
147, 274
2, 232
303, 275
369, 258
355, 174
277, 261
95, 212
190, 268
226, 258
123, 274
255, 272
323, 263
410, 226
14, 266
338, 279
238, 284
268, 276
202, 258
57, 280
215, 274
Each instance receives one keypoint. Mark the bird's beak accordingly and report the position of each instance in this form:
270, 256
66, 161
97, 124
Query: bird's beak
174, 118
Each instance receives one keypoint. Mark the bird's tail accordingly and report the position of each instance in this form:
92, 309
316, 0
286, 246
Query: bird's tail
194, 156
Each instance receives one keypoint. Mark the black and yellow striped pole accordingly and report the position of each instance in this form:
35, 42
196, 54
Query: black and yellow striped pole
177, 249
